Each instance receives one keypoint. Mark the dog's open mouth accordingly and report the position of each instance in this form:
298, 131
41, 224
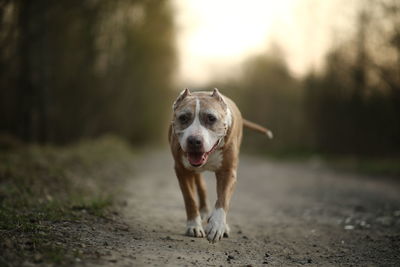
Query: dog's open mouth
197, 159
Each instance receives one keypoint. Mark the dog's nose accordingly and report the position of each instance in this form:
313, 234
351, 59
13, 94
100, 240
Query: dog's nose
195, 142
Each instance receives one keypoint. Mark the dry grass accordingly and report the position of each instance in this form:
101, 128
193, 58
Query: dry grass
43, 186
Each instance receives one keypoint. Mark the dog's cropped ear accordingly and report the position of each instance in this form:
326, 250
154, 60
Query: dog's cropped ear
216, 94
181, 96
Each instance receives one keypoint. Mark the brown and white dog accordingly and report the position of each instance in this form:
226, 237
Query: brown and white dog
205, 135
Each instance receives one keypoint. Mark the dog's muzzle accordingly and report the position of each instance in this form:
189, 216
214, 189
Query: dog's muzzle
198, 159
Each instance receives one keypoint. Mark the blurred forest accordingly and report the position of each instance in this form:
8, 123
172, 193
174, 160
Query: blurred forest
73, 69
352, 106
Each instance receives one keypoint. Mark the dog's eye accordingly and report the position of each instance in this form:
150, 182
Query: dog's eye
211, 118
183, 118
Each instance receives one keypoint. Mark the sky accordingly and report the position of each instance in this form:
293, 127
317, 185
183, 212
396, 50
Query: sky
215, 36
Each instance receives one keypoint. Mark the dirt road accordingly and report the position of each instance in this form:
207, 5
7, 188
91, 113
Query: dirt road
282, 214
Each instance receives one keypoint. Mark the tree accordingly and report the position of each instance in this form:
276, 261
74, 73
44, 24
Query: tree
83, 68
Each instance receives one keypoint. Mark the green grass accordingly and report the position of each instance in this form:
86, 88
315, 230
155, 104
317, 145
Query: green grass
385, 165
44, 185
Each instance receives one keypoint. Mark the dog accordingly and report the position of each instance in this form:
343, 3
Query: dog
205, 135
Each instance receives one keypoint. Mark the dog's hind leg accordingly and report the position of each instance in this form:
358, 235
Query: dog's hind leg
202, 194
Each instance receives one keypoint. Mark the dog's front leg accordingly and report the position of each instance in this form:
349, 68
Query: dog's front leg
217, 226
187, 185
202, 193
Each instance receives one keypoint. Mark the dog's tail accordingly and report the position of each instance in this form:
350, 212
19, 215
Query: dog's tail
257, 128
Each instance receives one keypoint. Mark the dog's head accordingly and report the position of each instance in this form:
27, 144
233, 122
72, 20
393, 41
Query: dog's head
200, 122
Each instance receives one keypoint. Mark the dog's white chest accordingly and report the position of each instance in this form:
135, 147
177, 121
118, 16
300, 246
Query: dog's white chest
213, 163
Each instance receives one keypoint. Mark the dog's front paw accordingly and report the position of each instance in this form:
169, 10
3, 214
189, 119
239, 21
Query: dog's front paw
227, 230
194, 228
217, 227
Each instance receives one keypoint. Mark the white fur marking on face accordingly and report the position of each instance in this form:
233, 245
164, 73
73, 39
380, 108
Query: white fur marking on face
216, 226
197, 111
194, 228
196, 128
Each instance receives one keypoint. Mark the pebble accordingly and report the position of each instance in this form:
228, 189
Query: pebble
349, 227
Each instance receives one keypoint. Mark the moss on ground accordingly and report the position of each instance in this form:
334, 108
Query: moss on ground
42, 186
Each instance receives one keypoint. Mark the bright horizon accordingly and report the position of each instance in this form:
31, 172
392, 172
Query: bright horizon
215, 36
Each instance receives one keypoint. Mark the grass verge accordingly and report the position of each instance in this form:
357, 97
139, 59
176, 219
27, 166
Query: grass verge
369, 165
377, 166
386, 166
42, 187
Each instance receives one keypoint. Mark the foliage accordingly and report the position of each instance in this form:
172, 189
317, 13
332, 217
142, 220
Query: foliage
268, 94
351, 107
72, 69
354, 105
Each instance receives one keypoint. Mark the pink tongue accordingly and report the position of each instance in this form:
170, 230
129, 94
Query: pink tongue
195, 158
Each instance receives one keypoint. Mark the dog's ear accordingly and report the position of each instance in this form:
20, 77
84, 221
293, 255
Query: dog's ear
181, 96
216, 94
